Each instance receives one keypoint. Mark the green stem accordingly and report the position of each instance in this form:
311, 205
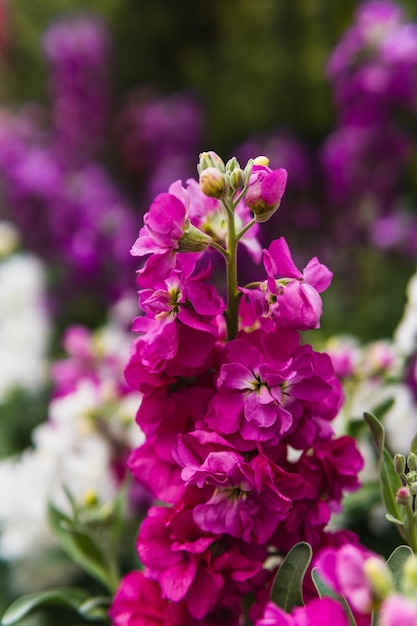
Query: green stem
231, 314
219, 248
410, 528
245, 229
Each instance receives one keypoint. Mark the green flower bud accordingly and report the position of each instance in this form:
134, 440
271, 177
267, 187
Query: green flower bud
237, 178
399, 464
412, 461
213, 182
413, 488
232, 164
380, 579
210, 159
193, 240
409, 579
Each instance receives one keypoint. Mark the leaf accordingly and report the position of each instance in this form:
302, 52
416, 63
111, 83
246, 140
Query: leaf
325, 591
394, 520
95, 608
81, 548
390, 481
396, 562
413, 445
71, 598
286, 589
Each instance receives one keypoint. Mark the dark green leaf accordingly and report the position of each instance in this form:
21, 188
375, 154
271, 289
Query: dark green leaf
71, 598
396, 562
286, 589
325, 591
81, 548
390, 481
380, 410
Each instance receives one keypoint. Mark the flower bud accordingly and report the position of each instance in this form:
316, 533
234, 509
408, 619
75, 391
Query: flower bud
409, 580
265, 190
403, 496
380, 578
213, 182
232, 164
412, 461
236, 178
413, 488
399, 464
193, 239
210, 159
261, 160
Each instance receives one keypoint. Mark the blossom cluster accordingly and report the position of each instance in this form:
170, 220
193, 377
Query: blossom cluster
372, 72
236, 409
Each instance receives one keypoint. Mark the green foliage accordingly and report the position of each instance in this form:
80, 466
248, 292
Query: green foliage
91, 609
286, 589
83, 549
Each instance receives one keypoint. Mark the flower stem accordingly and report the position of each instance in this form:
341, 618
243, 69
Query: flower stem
410, 528
245, 229
231, 314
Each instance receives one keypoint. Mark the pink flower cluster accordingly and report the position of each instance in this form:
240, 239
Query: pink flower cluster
239, 443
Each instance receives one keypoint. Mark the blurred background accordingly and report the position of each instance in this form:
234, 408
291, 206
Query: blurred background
104, 104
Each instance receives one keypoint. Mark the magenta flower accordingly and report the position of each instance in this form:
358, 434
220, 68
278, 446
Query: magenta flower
176, 553
323, 612
263, 382
265, 190
290, 297
167, 227
398, 611
247, 501
138, 602
344, 571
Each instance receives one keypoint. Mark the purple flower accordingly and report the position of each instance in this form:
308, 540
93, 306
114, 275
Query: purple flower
323, 612
265, 190
264, 379
398, 610
167, 227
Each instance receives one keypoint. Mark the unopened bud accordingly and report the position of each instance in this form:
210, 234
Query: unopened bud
193, 240
232, 164
265, 190
261, 160
210, 159
412, 461
399, 464
212, 182
403, 496
237, 178
380, 578
413, 488
409, 580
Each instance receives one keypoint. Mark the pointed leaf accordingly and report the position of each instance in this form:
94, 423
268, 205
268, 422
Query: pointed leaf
286, 589
71, 598
81, 548
413, 446
394, 520
377, 432
389, 479
95, 608
396, 562
325, 591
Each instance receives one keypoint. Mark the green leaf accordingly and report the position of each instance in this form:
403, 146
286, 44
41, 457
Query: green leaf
394, 520
71, 598
413, 445
396, 563
95, 608
286, 589
390, 481
382, 408
81, 548
325, 591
